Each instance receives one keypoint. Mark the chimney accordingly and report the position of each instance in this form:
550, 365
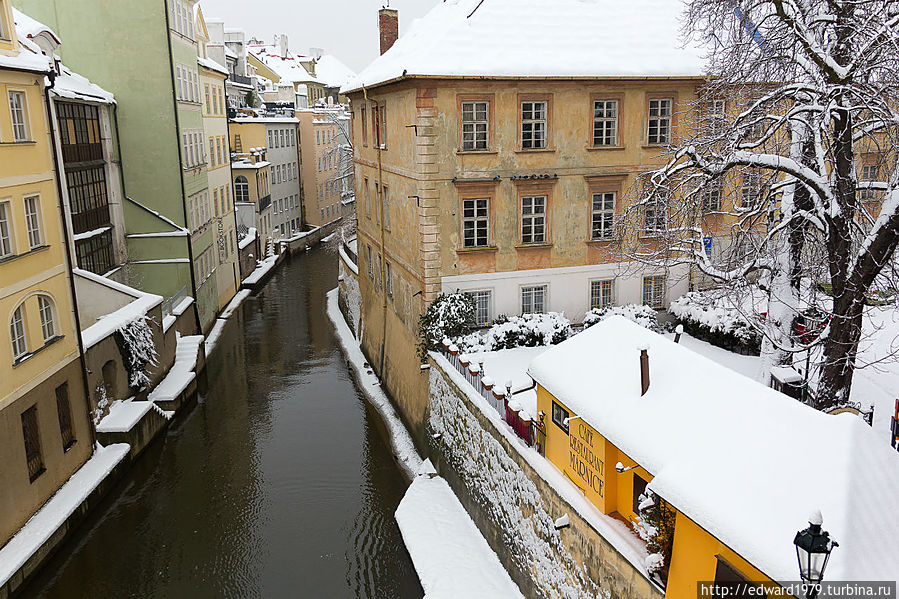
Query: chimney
388, 27
282, 44
644, 369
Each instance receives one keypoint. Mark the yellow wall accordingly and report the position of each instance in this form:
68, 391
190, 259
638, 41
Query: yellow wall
252, 135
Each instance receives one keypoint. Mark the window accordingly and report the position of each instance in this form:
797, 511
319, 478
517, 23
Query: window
364, 127
386, 196
48, 320
482, 306
17, 112
474, 125
6, 242
869, 173
602, 224
33, 221
533, 219
371, 262
750, 190
208, 100
64, 414
379, 124
241, 189
318, 139
654, 291
4, 27
639, 489
533, 125
605, 122
281, 137
711, 196
32, 437
602, 294
367, 193
730, 583
560, 417
533, 299
212, 151
715, 117
659, 121
17, 333
475, 216
655, 213
389, 284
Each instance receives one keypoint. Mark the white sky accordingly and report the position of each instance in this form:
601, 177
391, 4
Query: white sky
348, 29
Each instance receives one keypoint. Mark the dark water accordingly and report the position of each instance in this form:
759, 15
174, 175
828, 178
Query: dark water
279, 482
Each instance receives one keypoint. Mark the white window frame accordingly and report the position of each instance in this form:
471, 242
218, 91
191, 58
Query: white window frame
750, 187
33, 221
605, 123
715, 116
534, 125
18, 114
7, 240
657, 286
655, 215
17, 334
475, 125
47, 312
711, 196
532, 291
482, 312
602, 293
659, 121
479, 222
605, 215
532, 220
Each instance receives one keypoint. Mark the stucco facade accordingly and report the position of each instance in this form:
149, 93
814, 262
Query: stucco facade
321, 132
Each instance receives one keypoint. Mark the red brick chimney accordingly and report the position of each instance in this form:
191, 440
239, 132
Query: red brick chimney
388, 27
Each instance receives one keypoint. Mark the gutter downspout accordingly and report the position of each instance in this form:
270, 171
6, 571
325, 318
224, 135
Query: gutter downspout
69, 272
235, 266
383, 260
190, 250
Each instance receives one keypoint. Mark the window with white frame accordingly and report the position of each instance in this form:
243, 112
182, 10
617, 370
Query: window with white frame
870, 172
602, 294
475, 219
654, 291
711, 196
33, 221
48, 318
659, 121
533, 125
482, 306
533, 219
242, 189
6, 240
605, 122
475, 125
18, 114
750, 189
533, 299
602, 224
655, 213
17, 333
714, 117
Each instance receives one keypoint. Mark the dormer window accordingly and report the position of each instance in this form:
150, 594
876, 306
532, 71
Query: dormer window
4, 25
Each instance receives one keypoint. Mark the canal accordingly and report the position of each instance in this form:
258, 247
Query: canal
278, 482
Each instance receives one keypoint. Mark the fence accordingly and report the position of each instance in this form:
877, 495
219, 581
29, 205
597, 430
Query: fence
169, 304
502, 400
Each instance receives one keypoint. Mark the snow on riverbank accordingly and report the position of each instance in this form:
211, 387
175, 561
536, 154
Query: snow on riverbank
450, 555
400, 440
57, 510
262, 269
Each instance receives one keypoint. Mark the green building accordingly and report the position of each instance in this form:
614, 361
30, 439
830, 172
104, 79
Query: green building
146, 54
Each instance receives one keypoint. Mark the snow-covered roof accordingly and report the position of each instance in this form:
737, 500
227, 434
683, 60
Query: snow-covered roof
31, 28
535, 38
249, 165
70, 84
743, 461
332, 72
265, 119
29, 56
211, 65
288, 69
107, 324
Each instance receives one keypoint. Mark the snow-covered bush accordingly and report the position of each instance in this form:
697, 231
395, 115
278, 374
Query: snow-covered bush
450, 315
529, 330
135, 342
655, 525
642, 315
708, 315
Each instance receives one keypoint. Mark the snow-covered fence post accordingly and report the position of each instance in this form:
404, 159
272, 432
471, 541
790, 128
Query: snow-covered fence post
487, 389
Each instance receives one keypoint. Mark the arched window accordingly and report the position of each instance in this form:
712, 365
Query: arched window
241, 189
48, 317
17, 333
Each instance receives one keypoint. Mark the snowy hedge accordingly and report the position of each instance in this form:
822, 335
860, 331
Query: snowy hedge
642, 315
711, 317
527, 330
450, 315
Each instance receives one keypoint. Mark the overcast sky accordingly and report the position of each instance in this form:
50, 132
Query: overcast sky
348, 29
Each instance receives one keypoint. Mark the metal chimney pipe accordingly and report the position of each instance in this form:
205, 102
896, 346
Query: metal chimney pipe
644, 369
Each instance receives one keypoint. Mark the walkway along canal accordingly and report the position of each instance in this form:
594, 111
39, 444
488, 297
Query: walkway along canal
278, 482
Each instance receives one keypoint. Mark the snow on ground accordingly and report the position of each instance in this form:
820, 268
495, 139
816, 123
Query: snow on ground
213, 336
511, 365
47, 520
262, 269
123, 415
400, 440
451, 557
182, 371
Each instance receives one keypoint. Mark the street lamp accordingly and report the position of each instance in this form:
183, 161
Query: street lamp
813, 547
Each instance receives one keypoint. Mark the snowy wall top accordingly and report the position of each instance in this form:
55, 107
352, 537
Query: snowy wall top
534, 38
743, 461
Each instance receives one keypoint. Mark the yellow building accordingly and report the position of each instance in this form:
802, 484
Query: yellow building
738, 466
321, 135
45, 429
253, 195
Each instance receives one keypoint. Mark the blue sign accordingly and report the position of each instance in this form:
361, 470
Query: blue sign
707, 242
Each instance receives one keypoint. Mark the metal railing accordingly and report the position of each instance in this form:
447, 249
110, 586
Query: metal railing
169, 304
85, 152
242, 79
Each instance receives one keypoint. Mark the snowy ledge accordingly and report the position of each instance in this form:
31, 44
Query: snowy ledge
261, 270
47, 520
400, 440
346, 260
450, 555
615, 532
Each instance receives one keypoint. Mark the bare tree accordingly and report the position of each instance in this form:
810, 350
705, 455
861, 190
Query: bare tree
801, 98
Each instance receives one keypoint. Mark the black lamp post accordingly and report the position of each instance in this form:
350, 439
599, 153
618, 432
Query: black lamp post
813, 547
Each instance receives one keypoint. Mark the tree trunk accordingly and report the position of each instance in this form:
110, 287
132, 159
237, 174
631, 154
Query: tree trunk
840, 350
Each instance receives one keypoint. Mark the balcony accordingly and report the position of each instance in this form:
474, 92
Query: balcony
86, 152
88, 220
240, 79
265, 202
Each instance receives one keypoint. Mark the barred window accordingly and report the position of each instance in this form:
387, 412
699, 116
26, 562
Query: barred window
659, 121
711, 196
601, 293
533, 299
750, 190
31, 436
475, 219
95, 253
603, 216
533, 219
64, 415
533, 125
654, 291
605, 122
474, 125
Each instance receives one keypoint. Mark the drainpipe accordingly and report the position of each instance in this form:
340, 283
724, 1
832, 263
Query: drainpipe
69, 268
190, 250
383, 265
